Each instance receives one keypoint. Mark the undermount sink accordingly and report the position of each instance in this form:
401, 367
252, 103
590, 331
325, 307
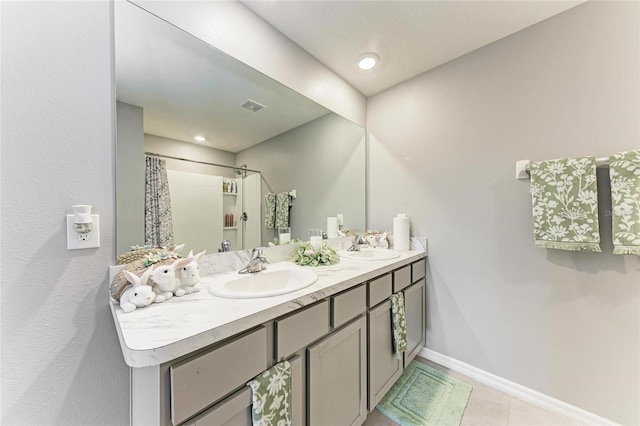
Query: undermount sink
273, 281
369, 253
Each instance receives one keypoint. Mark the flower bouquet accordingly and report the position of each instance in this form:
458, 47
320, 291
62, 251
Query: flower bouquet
305, 255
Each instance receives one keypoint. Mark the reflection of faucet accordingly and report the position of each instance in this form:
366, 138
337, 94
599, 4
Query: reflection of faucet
225, 246
256, 263
358, 240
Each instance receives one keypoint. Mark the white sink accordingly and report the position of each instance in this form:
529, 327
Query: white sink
369, 253
273, 281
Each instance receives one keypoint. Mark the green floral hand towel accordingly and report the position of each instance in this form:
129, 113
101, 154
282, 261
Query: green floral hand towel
624, 171
398, 324
270, 211
271, 400
565, 204
283, 204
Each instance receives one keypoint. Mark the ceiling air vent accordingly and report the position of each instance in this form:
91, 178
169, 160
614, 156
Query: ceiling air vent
252, 106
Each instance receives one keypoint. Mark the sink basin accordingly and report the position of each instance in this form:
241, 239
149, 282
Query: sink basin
273, 281
369, 253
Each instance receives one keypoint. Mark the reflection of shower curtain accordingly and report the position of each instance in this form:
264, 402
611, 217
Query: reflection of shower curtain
158, 224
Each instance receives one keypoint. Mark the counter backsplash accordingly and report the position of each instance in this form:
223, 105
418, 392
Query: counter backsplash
217, 263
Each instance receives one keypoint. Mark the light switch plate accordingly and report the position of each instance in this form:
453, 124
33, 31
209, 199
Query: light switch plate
77, 241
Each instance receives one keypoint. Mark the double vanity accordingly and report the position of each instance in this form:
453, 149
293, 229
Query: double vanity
191, 357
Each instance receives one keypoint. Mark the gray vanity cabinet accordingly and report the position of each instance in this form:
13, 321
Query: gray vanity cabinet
337, 377
414, 309
340, 350
384, 369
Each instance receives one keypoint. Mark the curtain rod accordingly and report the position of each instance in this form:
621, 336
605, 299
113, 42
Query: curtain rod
154, 154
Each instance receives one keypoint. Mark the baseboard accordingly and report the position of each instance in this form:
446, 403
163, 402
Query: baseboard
529, 395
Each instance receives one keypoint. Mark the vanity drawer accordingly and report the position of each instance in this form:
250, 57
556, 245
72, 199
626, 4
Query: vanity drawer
298, 330
200, 381
418, 270
235, 410
379, 290
348, 305
401, 278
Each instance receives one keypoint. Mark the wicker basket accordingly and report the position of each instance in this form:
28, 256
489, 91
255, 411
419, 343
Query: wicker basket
133, 255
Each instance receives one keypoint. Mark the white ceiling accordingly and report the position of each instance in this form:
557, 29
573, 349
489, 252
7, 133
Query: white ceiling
411, 37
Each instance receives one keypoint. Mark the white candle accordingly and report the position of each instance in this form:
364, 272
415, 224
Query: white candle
285, 238
316, 242
332, 227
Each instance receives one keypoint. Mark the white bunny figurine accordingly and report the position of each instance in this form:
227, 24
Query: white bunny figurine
177, 248
383, 242
139, 294
165, 282
372, 240
189, 275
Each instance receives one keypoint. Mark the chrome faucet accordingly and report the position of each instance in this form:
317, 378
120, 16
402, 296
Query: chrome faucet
358, 241
225, 246
256, 263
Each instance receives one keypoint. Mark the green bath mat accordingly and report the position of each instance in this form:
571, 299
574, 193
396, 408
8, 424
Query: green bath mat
423, 396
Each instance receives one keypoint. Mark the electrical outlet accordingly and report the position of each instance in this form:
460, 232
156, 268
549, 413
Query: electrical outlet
77, 241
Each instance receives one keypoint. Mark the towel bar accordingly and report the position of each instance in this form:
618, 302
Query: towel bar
522, 167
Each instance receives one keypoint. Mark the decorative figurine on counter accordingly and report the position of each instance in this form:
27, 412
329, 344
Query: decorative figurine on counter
383, 242
189, 275
372, 240
165, 282
375, 239
163, 279
139, 294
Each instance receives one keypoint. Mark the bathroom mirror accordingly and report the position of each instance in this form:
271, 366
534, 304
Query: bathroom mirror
262, 137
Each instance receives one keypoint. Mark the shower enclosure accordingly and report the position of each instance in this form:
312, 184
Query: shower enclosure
212, 202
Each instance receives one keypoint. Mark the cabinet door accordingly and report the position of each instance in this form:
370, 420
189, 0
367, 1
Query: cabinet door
337, 377
383, 368
414, 309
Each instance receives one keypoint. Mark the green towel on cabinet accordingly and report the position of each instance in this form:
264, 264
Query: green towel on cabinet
398, 324
624, 171
271, 396
565, 204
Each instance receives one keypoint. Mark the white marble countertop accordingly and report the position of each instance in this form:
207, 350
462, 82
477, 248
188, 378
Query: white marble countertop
165, 331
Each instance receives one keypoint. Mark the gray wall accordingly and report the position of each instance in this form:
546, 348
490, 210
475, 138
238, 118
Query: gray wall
130, 176
323, 161
565, 324
61, 361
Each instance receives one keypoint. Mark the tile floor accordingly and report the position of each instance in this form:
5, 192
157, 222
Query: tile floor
489, 407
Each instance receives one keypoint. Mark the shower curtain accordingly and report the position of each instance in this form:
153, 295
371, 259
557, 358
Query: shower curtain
158, 223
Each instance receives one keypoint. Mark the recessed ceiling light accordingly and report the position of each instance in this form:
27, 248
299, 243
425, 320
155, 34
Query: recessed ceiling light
200, 138
368, 60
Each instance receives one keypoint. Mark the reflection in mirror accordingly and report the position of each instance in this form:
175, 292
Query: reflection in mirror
172, 87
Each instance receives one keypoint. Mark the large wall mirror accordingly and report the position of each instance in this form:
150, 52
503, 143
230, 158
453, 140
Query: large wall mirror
257, 140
